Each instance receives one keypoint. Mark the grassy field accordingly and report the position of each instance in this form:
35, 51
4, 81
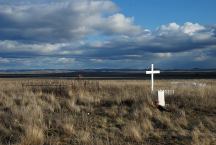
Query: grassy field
105, 113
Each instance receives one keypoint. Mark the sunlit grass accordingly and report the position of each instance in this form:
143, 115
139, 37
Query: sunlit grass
104, 112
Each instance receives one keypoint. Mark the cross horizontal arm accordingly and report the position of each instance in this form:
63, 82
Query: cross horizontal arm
148, 72
152, 72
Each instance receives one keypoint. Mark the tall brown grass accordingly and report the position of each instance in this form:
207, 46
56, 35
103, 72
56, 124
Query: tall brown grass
60, 112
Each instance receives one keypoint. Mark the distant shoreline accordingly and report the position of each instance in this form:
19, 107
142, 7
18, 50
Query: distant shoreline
116, 75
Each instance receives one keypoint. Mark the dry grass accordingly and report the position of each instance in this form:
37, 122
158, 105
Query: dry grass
132, 132
104, 112
33, 136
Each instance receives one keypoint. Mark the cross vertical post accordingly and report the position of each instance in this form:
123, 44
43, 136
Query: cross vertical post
152, 72
152, 78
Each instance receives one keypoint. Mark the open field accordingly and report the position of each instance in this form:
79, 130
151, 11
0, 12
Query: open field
105, 112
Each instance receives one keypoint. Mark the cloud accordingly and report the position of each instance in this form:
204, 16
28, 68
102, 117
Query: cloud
19, 49
97, 60
201, 58
193, 31
52, 22
163, 55
119, 24
93, 33
171, 38
4, 60
188, 28
66, 60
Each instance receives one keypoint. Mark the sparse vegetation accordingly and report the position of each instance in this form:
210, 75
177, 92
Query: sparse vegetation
104, 112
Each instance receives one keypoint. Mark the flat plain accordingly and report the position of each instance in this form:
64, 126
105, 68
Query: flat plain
106, 112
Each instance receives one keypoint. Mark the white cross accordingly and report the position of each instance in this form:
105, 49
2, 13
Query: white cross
152, 72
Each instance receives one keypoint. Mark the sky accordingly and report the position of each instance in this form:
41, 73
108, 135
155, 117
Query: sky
92, 34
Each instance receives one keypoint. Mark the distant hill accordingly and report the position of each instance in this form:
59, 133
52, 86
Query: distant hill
38, 71
109, 74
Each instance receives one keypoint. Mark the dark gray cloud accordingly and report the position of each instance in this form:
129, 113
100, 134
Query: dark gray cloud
94, 33
53, 22
171, 38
